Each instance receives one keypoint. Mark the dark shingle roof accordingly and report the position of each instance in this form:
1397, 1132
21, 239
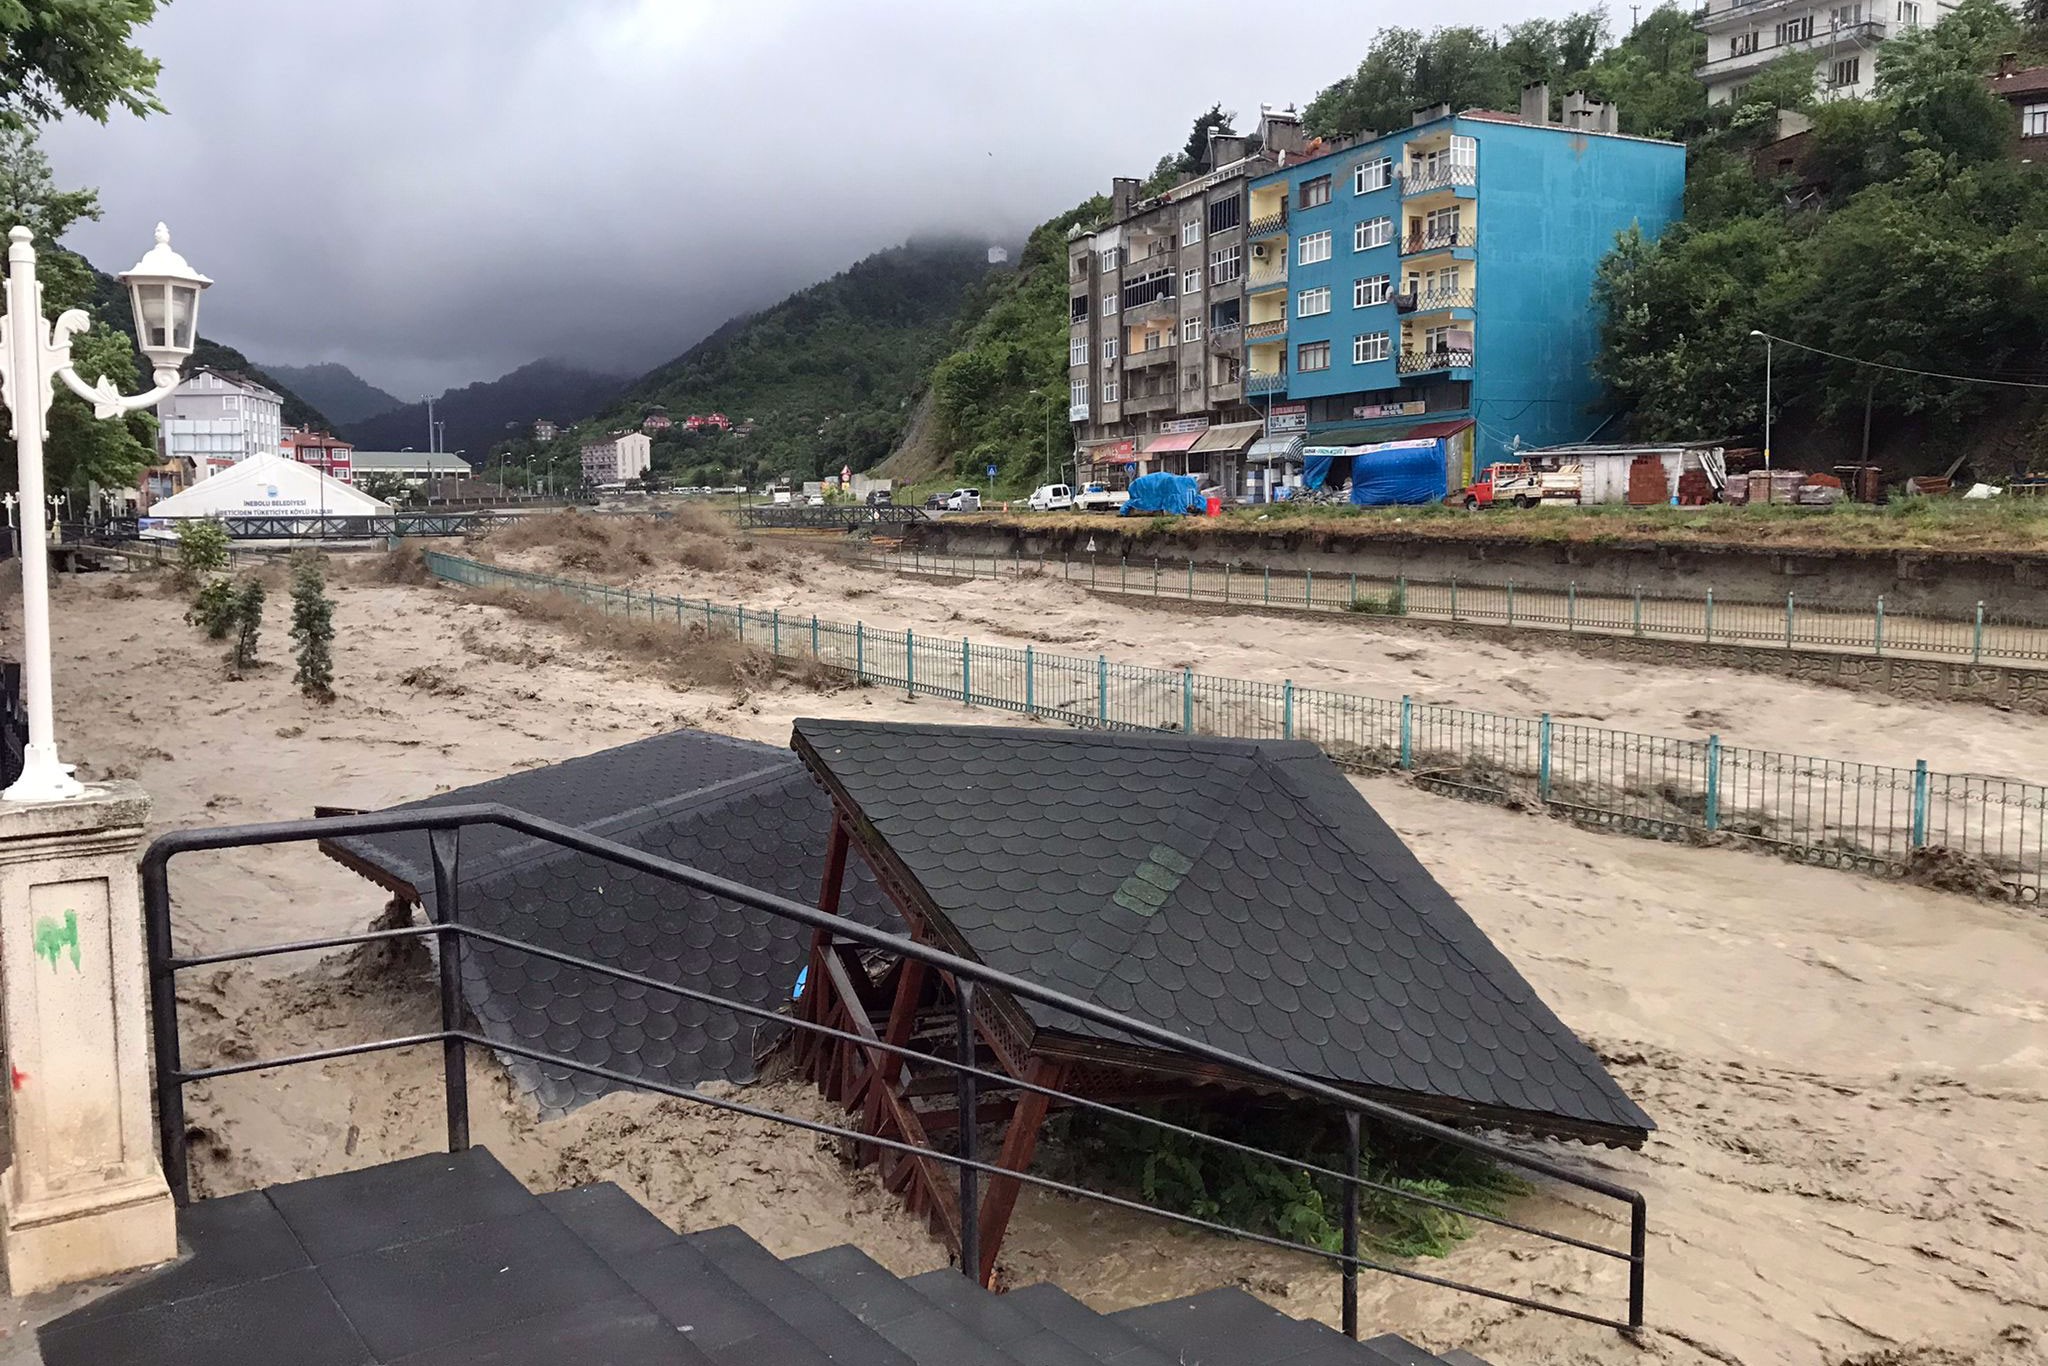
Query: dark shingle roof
1238, 892
744, 811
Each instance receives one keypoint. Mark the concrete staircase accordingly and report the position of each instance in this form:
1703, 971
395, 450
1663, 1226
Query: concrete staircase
446, 1260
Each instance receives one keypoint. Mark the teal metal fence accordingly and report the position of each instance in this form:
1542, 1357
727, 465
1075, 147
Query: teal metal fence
1794, 622
1871, 817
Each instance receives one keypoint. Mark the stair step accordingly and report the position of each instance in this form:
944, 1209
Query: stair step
994, 1320
867, 1288
620, 1332
615, 1225
1230, 1327
796, 1300
717, 1314
1099, 1335
1396, 1350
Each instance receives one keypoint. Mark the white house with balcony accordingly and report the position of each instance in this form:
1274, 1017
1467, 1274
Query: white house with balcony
1745, 36
214, 420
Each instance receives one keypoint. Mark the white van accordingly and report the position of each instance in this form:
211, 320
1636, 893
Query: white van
1051, 498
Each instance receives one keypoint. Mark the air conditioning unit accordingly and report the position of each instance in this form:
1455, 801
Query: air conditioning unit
1258, 251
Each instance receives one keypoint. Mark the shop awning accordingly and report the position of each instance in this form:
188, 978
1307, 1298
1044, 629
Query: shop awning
1229, 438
1396, 429
1171, 443
1282, 448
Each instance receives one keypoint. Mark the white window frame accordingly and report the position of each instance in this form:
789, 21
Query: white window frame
1301, 365
1106, 260
1309, 186
1109, 349
1372, 232
1852, 66
1312, 303
1110, 302
1077, 393
1909, 13
1191, 328
1191, 280
1077, 351
1376, 174
1368, 290
1191, 232
1438, 338
1311, 248
1112, 392
1362, 347
1226, 264
2034, 120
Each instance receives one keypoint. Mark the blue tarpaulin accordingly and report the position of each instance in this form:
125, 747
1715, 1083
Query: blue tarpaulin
1315, 469
1398, 472
1173, 494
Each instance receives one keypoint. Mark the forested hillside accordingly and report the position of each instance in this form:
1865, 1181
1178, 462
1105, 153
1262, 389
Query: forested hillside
480, 414
336, 390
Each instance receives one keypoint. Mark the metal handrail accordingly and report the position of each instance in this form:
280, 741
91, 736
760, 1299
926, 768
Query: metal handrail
1446, 358
443, 828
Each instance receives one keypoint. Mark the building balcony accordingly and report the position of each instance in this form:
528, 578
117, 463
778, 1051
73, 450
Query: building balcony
1150, 403
1869, 32
1742, 13
1077, 412
1445, 176
1260, 382
1160, 306
1145, 357
1439, 241
1273, 327
1440, 300
1267, 277
1226, 338
1226, 391
1267, 226
1422, 362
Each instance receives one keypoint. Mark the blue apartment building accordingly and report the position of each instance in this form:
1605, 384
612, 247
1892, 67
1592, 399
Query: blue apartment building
1437, 282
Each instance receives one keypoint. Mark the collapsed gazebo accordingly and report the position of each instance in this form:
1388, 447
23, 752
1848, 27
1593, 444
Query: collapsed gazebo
1237, 892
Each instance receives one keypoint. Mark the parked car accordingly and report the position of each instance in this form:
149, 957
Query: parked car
816, 500
1100, 498
964, 500
881, 498
1051, 498
935, 503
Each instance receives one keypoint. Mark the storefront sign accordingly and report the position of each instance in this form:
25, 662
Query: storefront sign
1185, 424
1413, 408
1108, 450
1287, 417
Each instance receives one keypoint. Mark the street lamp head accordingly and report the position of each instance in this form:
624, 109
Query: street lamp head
164, 290
1754, 333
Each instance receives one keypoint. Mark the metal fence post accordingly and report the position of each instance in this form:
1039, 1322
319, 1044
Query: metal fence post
1287, 711
1124, 583
1977, 638
909, 663
860, 654
679, 615
1352, 601
970, 1179
1155, 576
1407, 733
1788, 621
1030, 680
1543, 757
1571, 607
1708, 639
1226, 581
1187, 701
1638, 618
966, 673
1919, 803
1454, 599
445, 848
1713, 782
741, 610
1350, 1314
1102, 688
1878, 633
707, 616
1308, 588
775, 633
1191, 578
1511, 602
1269, 585
814, 635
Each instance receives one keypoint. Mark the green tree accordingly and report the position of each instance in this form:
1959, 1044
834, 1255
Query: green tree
1195, 156
312, 629
1790, 82
64, 56
384, 486
1648, 76
248, 622
202, 550
214, 609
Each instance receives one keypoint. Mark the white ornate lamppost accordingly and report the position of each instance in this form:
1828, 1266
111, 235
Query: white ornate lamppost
34, 354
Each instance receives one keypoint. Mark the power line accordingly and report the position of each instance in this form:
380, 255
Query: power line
1907, 369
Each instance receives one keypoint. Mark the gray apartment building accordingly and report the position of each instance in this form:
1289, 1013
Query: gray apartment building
1156, 307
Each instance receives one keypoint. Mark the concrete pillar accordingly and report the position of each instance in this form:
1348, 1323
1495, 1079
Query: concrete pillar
85, 1196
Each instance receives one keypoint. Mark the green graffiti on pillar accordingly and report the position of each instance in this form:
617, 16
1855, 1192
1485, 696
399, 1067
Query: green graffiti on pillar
53, 939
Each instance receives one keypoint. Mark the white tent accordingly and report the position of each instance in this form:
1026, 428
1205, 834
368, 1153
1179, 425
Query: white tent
270, 486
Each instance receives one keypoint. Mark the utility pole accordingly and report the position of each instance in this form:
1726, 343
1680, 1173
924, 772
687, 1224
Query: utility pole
1767, 394
431, 447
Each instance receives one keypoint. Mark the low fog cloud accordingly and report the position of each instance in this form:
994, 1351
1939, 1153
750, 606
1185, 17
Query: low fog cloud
435, 191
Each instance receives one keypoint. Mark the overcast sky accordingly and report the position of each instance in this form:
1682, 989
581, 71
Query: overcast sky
436, 191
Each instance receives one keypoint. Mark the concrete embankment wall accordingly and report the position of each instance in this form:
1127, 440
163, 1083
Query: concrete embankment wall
1936, 583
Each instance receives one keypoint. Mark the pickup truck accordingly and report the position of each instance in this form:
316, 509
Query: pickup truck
1099, 498
1051, 498
1522, 485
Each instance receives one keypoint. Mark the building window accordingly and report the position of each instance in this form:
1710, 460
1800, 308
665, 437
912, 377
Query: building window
1369, 347
1373, 289
1315, 193
1313, 248
1191, 329
1373, 232
1108, 304
2034, 121
1440, 227
1079, 312
1077, 351
1224, 315
1109, 348
1077, 394
1191, 379
1110, 391
1742, 44
1225, 214
1845, 16
1909, 13
1191, 232
1795, 30
1191, 280
1313, 356
1436, 339
1372, 175
1106, 260
1845, 72
1311, 302
1225, 265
